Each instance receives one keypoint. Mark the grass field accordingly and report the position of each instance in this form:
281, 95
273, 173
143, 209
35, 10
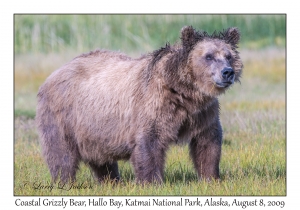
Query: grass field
136, 33
252, 114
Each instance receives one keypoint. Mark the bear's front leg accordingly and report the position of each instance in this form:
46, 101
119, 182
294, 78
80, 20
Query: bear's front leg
148, 160
205, 150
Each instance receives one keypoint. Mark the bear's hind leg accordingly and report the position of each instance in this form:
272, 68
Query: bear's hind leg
105, 171
68, 168
63, 164
60, 153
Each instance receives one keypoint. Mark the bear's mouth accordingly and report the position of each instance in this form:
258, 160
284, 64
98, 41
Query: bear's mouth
224, 84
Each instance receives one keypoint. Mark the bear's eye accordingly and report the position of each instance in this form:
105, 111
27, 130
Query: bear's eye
228, 57
209, 57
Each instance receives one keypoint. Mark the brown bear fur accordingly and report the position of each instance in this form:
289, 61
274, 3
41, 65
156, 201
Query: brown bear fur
104, 106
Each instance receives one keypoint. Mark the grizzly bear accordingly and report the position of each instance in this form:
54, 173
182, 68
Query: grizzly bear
104, 106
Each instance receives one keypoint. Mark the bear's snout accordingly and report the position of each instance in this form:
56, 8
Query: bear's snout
228, 74
228, 77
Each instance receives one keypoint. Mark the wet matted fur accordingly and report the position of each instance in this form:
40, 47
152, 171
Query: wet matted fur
104, 106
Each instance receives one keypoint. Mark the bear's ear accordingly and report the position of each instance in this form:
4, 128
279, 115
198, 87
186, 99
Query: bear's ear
188, 36
232, 36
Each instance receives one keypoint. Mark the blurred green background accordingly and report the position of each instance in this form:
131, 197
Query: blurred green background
136, 33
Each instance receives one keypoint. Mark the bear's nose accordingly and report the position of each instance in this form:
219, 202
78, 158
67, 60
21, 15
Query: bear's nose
228, 74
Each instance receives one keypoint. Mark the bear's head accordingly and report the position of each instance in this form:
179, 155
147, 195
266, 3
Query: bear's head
213, 60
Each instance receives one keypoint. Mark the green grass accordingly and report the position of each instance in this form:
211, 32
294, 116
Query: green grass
136, 33
254, 149
251, 165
